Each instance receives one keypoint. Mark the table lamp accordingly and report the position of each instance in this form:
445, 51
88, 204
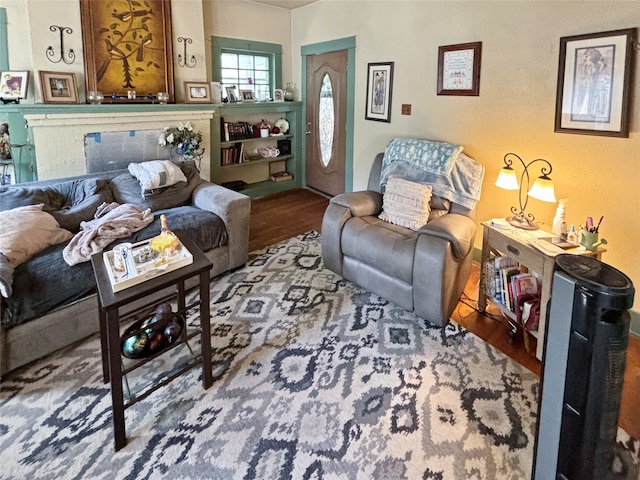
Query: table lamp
542, 189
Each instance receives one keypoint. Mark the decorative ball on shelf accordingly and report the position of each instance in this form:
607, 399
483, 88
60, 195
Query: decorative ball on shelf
275, 130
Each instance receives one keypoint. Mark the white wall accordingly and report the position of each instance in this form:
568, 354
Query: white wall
516, 107
29, 36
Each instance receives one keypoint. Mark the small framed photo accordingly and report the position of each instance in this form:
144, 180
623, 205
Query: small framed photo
231, 94
379, 89
247, 96
14, 84
459, 69
197, 92
58, 87
594, 83
278, 95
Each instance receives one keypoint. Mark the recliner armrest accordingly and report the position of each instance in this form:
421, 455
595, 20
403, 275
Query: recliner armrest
458, 229
360, 203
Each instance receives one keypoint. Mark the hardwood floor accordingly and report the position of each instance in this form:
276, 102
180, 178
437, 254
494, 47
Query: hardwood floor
284, 215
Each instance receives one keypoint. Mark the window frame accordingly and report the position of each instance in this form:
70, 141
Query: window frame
221, 45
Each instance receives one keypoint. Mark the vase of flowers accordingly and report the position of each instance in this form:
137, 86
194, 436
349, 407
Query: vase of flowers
183, 140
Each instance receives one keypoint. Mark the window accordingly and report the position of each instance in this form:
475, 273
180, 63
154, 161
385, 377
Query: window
248, 65
247, 72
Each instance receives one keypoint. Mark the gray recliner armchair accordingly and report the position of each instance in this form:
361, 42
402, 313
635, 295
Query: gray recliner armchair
423, 271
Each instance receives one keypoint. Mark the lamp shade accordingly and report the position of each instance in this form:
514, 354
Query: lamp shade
507, 179
543, 189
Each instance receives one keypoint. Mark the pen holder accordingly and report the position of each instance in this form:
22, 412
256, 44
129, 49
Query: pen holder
589, 240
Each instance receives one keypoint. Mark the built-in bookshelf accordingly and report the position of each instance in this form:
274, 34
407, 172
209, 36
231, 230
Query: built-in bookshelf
236, 159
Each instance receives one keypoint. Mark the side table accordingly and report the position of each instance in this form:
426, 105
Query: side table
109, 308
514, 243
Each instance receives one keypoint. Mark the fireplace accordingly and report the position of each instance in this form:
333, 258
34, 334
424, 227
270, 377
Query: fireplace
69, 144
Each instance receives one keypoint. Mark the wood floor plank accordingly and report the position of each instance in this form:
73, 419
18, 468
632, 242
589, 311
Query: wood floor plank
280, 216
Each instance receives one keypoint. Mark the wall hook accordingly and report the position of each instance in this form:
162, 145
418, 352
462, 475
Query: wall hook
182, 60
71, 54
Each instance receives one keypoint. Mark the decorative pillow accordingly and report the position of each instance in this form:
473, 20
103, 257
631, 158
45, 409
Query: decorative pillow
156, 174
406, 203
126, 189
26, 231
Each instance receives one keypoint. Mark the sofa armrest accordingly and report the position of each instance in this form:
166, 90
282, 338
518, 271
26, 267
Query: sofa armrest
234, 209
360, 204
458, 229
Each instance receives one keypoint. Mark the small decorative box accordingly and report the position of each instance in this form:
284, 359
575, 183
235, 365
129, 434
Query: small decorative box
278, 171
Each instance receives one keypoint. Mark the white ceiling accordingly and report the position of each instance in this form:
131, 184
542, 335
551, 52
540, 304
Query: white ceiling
290, 4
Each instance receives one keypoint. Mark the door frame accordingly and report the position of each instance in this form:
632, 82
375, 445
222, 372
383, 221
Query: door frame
348, 44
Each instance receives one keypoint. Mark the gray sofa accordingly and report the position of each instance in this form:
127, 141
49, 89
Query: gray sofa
40, 317
423, 271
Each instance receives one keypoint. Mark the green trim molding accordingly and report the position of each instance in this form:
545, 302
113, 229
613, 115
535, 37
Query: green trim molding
349, 44
219, 44
4, 46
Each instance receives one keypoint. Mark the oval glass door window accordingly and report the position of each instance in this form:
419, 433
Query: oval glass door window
326, 120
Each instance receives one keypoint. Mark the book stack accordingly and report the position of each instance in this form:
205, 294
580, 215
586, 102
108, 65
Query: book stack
506, 281
231, 131
233, 154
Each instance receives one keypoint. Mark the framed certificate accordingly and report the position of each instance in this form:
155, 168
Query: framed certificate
459, 69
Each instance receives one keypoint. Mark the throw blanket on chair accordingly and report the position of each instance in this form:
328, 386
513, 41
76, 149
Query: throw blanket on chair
111, 221
452, 174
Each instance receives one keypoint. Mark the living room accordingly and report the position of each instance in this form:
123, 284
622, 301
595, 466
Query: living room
514, 111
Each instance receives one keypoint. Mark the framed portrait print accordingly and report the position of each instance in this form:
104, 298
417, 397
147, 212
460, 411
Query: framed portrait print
278, 95
246, 96
231, 94
58, 87
459, 69
379, 89
14, 84
127, 47
197, 92
594, 82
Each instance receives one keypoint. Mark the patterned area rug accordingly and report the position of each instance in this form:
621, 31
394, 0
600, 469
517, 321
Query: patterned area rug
314, 378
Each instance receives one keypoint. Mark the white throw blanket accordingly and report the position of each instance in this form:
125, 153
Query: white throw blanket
111, 221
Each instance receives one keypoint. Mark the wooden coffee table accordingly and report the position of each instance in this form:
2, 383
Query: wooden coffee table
114, 307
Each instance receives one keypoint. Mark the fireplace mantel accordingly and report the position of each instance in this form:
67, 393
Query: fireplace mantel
57, 132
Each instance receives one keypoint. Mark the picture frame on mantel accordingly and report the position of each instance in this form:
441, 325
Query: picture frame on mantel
197, 92
58, 87
14, 84
459, 69
128, 48
594, 83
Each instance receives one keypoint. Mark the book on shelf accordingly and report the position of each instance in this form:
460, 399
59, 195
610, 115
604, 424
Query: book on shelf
231, 131
233, 154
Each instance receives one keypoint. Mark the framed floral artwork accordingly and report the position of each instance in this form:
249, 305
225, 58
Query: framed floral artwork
594, 83
58, 87
14, 84
127, 47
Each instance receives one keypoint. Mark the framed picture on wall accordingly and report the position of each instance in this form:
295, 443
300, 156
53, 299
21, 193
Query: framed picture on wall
379, 89
127, 47
459, 69
14, 84
197, 92
58, 87
594, 83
